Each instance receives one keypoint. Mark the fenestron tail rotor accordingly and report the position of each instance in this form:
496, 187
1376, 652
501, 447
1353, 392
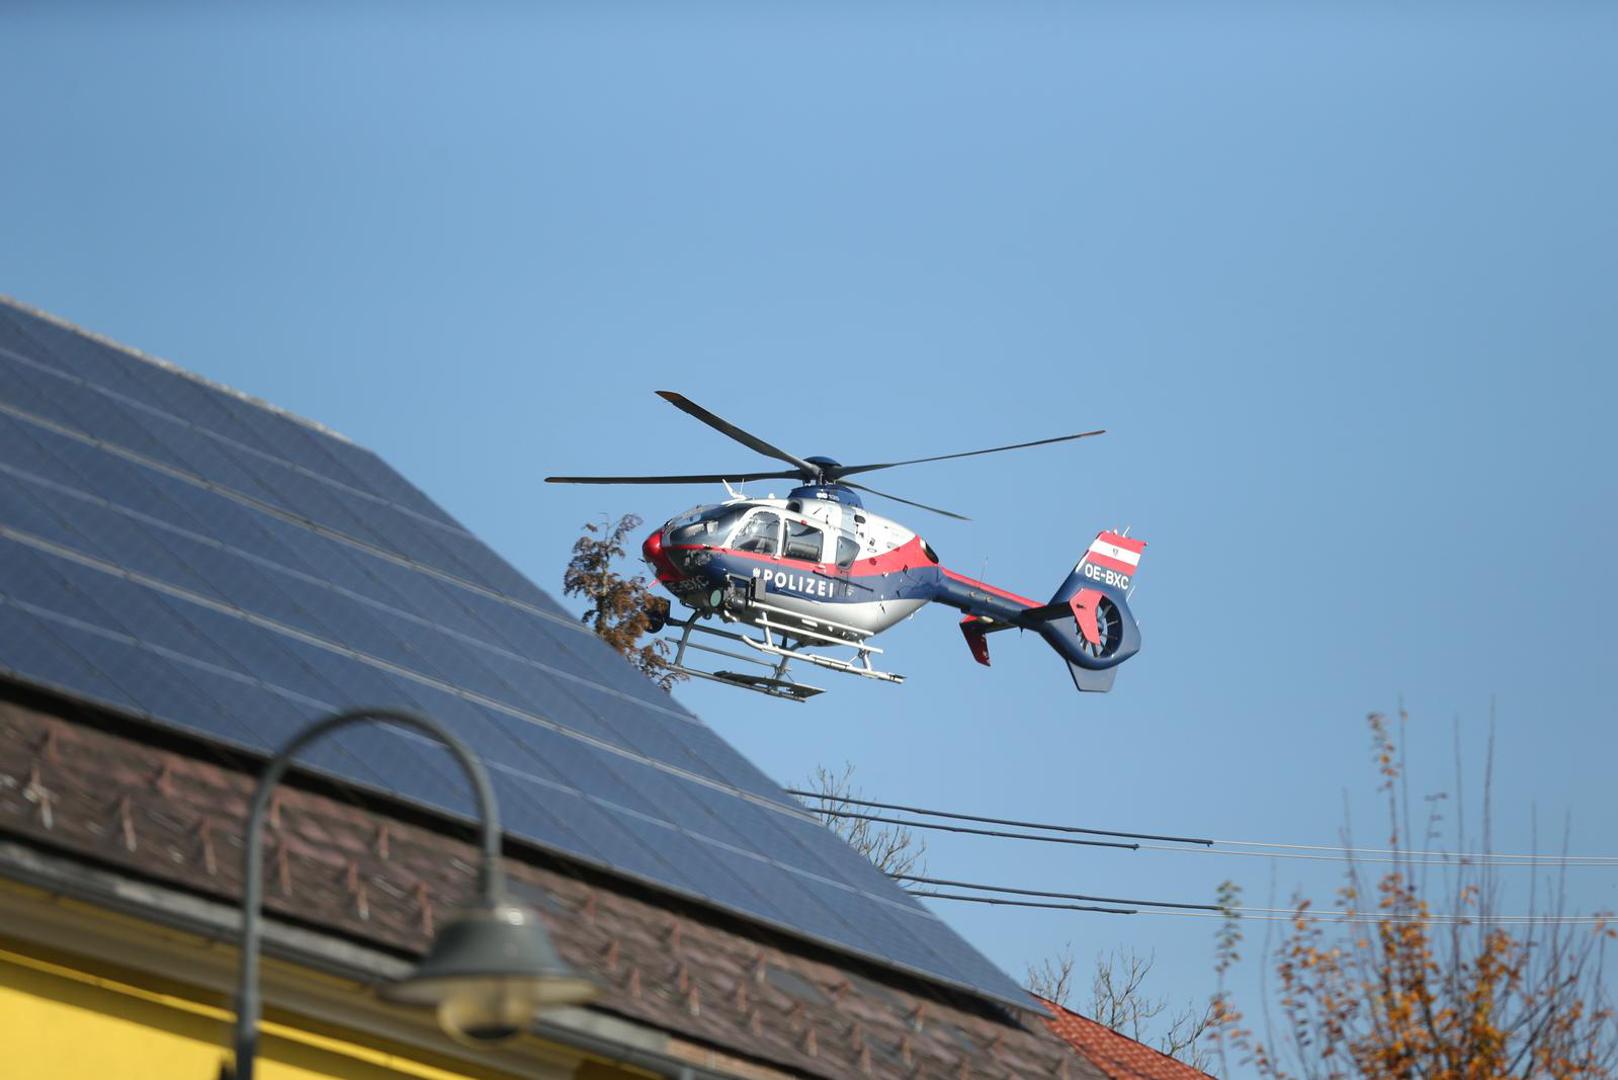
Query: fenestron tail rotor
811, 470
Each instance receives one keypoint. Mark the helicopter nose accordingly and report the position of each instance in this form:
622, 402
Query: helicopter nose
651, 550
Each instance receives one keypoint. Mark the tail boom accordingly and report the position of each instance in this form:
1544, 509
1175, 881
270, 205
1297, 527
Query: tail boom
1087, 621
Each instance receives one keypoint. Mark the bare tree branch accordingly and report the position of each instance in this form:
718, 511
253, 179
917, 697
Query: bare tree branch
1053, 978
893, 848
1118, 1000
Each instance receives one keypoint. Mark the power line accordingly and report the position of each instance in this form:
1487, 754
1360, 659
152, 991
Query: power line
841, 799
999, 902
1055, 895
1349, 855
1248, 914
1062, 901
1372, 918
977, 832
1271, 849
1419, 917
1479, 856
1352, 854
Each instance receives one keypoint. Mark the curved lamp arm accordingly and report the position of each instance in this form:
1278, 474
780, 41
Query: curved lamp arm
491, 878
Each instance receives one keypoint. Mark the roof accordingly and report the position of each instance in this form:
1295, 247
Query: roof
187, 557
748, 1002
1116, 1055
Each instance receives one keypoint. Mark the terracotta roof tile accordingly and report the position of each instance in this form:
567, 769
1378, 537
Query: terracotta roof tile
1118, 1056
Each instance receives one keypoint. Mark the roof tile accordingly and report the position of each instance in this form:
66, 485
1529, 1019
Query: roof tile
1117, 1055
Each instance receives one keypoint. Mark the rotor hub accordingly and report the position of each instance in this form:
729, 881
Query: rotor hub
829, 468
825, 492
822, 475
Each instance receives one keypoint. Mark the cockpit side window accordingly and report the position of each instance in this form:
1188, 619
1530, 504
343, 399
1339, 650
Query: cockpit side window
803, 541
848, 549
761, 534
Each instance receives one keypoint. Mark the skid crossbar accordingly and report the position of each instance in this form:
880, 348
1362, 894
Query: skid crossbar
851, 631
778, 683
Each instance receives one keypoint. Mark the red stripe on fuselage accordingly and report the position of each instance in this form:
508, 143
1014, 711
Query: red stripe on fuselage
903, 557
899, 559
775, 560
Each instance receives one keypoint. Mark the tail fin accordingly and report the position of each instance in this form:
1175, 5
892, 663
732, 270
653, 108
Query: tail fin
1096, 632
1110, 565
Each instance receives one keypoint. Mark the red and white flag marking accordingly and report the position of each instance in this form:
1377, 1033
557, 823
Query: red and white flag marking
1115, 552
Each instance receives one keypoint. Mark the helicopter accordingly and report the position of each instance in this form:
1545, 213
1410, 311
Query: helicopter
818, 571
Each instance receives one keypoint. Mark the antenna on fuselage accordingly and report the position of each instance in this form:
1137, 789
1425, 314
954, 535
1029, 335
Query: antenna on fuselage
733, 492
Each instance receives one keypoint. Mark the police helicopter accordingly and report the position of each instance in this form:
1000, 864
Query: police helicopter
816, 574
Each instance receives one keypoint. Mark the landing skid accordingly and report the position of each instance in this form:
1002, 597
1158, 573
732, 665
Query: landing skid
773, 642
763, 684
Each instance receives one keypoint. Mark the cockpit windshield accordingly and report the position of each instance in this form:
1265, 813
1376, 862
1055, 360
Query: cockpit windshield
706, 525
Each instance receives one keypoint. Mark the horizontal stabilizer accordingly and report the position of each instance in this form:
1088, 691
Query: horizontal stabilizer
974, 630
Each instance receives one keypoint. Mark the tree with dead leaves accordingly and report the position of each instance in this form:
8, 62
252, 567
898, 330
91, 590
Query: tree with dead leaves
622, 609
1399, 987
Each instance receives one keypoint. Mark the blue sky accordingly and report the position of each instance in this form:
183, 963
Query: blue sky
1339, 280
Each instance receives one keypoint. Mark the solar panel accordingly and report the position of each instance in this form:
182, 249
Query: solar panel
35, 651
174, 550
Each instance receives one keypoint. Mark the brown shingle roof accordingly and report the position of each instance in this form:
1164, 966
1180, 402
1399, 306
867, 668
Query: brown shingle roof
164, 813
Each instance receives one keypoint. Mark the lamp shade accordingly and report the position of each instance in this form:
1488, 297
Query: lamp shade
489, 971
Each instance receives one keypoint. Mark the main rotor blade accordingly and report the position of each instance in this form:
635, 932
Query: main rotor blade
720, 424
714, 478
907, 502
852, 469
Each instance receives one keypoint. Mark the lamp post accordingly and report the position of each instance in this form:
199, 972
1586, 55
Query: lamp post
488, 971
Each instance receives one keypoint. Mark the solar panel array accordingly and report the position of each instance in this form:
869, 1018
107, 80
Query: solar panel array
177, 551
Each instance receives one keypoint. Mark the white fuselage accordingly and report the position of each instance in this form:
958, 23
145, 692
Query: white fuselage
818, 563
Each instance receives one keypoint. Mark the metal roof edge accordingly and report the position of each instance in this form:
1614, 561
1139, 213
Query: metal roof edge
175, 369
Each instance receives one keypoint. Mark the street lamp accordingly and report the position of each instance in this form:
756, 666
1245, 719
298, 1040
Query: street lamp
488, 971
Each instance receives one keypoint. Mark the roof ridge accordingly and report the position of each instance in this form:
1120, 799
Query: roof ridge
175, 369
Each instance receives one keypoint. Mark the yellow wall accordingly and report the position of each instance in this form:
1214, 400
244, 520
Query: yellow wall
58, 1020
